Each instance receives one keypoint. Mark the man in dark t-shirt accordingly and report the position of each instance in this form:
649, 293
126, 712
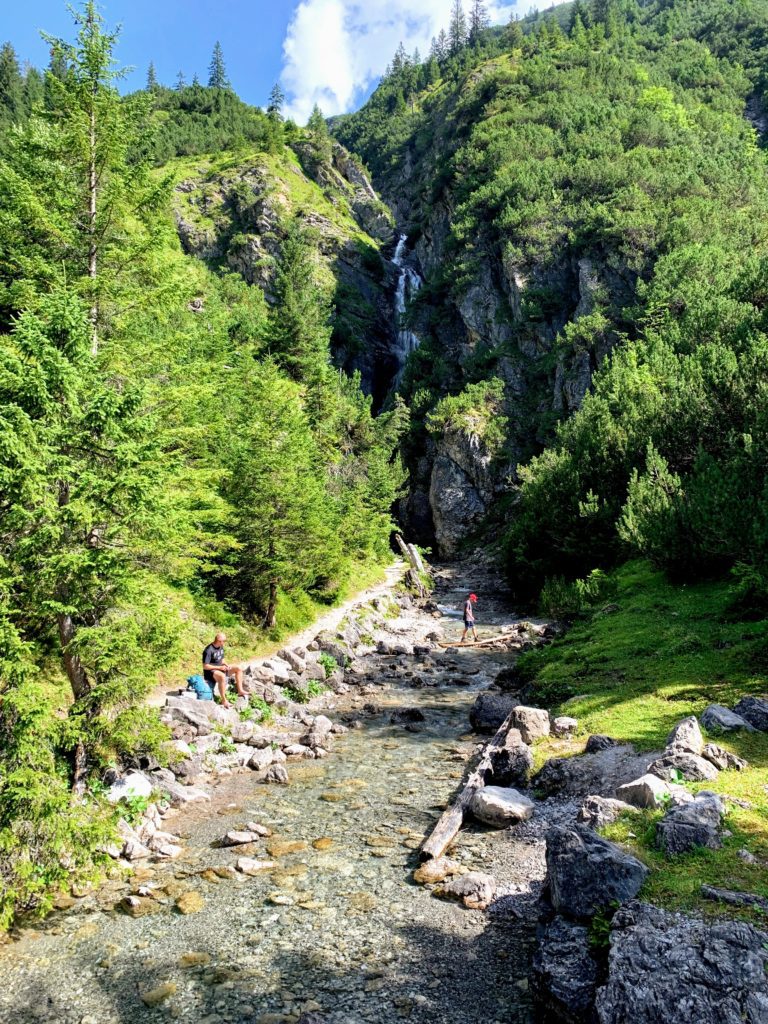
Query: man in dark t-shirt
216, 670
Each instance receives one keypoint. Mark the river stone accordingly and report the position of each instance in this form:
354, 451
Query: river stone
190, 902
475, 889
692, 767
499, 807
598, 773
691, 825
564, 726
298, 750
242, 732
249, 866
598, 811
586, 873
276, 773
436, 870
564, 973
134, 784
533, 723
177, 793
511, 763
297, 663
755, 711
490, 710
686, 735
236, 838
719, 719
668, 968
261, 758
723, 759
647, 791
155, 996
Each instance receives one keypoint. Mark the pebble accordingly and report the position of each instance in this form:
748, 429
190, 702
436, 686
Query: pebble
158, 995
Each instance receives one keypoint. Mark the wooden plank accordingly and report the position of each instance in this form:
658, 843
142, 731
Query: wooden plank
452, 818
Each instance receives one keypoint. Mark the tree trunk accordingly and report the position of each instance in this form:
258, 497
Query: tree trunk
271, 617
72, 664
79, 769
93, 188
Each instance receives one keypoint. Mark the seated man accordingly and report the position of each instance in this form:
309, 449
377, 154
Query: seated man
216, 670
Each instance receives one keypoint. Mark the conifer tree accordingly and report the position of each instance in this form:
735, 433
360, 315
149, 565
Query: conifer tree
34, 89
152, 82
457, 30
217, 72
12, 106
580, 12
479, 20
276, 102
442, 46
181, 81
515, 34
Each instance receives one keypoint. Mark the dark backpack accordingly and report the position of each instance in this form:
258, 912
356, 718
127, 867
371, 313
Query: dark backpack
201, 687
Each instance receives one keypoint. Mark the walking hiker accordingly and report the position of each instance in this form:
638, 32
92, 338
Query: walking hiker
469, 618
216, 670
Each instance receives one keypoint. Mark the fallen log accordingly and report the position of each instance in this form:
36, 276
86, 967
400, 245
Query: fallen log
452, 818
501, 638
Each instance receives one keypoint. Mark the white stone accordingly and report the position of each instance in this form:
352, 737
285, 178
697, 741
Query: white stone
134, 784
280, 669
533, 723
499, 806
647, 791
249, 866
564, 726
260, 759
240, 838
298, 750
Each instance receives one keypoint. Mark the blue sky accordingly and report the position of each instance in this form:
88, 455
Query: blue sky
329, 52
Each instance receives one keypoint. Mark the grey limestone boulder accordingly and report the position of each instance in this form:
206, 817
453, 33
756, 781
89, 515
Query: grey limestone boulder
686, 735
692, 767
755, 711
500, 806
647, 791
564, 726
533, 723
598, 811
716, 719
586, 873
475, 889
587, 774
723, 759
564, 973
667, 968
691, 825
511, 763
490, 709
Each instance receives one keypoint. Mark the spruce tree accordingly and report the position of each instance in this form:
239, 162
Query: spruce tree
457, 30
515, 34
152, 82
276, 102
479, 20
12, 105
181, 81
217, 72
442, 46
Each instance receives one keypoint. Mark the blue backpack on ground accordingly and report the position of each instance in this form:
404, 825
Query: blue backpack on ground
201, 688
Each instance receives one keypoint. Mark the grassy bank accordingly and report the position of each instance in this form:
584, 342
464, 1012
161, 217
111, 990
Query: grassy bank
654, 655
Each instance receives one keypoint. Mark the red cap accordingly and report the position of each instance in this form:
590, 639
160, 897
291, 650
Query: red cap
473, 597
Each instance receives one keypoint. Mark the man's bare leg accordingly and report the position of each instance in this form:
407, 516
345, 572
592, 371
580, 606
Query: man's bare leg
221, 682
237, 672
463, 637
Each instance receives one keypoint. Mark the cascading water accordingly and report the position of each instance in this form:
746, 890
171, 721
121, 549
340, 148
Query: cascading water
408, 285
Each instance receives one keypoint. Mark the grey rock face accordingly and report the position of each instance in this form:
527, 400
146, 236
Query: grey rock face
457, 508
723, 759
719, 719
670, 969
512, 763
598, 811
755, 711
686, 735
692, 767
691, 825
489, 711
533, 723
587, 873
564, 974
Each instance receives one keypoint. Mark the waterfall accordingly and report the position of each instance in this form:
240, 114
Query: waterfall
408, 284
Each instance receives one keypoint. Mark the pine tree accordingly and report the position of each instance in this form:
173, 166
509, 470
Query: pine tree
196, 80
217, 76
479, 20
276, 102
181, 81
515, 34
152, 82
457, 30
34, 88
12, 105
581, 12
442, 46
400, 60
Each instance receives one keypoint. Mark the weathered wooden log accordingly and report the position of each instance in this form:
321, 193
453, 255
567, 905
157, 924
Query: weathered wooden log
403, 547
501, 639
452, 818
416, 559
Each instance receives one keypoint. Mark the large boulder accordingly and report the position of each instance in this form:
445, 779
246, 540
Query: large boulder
717, 719
598, 811
587, 774
564, 725
686, 735
667, 968
564, 973
499, 806
132, 785
533, 723
490, 710
647, 791
511, 763
586, 873
755, 711
723, 759
691, 825
692, 767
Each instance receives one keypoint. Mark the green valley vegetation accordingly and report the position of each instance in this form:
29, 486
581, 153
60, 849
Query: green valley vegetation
175, 453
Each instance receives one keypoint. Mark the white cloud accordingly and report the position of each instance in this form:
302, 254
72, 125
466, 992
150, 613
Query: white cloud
335, 50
